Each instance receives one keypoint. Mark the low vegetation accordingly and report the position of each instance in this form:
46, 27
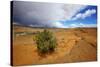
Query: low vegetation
45, 41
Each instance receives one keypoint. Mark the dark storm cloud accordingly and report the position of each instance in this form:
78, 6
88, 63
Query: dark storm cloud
43, 14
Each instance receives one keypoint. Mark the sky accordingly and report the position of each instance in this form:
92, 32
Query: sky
58, 15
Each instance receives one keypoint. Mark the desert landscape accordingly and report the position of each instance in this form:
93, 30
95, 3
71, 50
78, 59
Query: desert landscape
52, 33
73, 45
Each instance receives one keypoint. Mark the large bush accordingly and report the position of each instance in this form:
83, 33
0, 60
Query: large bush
45, 41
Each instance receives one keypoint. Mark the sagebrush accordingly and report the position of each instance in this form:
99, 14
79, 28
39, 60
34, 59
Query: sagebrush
46, 42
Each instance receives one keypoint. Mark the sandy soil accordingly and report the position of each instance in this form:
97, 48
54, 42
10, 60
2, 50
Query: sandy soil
74, 45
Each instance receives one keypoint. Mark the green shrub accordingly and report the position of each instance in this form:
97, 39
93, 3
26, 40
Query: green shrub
45, 41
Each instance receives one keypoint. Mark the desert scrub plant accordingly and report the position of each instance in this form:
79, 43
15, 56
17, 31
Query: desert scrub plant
45, 41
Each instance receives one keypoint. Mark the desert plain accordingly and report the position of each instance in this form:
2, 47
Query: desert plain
73, 45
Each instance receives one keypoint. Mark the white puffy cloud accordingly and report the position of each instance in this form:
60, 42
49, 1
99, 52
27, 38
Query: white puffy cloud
87, 13
16, 23
81, 25
87, 25
58, 25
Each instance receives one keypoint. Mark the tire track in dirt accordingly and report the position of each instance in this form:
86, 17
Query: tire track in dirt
85, 39
82, 50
